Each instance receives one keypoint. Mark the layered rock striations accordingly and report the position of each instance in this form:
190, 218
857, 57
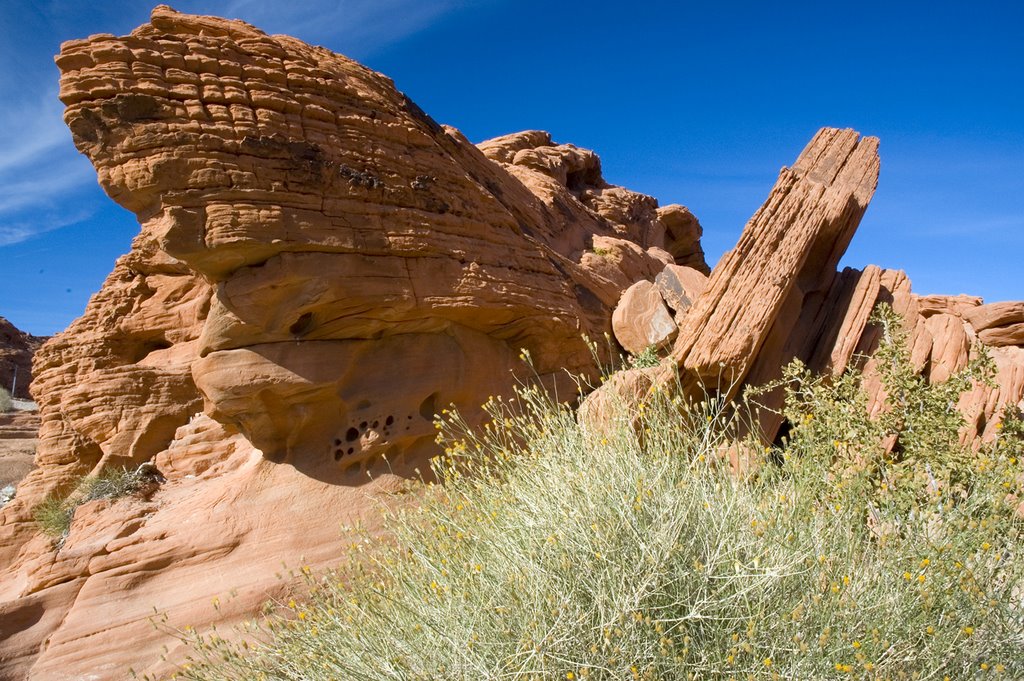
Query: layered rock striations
340, 227
19, 426
320, 269
785, 257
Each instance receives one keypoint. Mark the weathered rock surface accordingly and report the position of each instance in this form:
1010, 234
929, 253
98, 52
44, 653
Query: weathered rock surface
683, 240
321, 268
16, 350
998, 324
680, 286
788, 251
777, 297
18, 430
641, 320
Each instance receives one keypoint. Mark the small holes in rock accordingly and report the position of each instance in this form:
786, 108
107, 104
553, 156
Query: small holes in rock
389, 420
302, 325
351, 435
428, 407
338, 454
362, 426
376, 424
351, 449
337, 442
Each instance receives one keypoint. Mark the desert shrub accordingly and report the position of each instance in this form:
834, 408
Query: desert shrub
53, 516
552, 551
647, 358
5, 400
55, 513
906, 456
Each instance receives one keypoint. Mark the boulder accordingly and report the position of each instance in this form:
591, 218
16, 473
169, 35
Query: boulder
680, 286
998, 324
683, 233
641, 320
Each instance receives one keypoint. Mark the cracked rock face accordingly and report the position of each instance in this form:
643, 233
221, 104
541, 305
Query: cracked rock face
320, 269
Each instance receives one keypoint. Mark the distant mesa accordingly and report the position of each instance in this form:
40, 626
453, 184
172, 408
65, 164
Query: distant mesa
321, 268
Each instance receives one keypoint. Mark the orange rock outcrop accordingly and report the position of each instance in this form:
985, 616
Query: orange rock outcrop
777, 297
321, 268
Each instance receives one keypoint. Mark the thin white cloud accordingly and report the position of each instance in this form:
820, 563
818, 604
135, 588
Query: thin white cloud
353, 27
41, 173
12, 233
40, 169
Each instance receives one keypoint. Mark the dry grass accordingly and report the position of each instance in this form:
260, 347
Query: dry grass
553, 553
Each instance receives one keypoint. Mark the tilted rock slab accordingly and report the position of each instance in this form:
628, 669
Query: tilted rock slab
795, 238
321, 269
777, 297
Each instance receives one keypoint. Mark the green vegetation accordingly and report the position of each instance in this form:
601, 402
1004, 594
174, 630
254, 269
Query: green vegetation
5, 400
53, 516
646, 359
55, 513
862, 549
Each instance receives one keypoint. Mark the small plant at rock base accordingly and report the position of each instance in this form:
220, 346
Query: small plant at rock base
646, 359
116, 483
5, 400
53, 516
901, 459
55, 513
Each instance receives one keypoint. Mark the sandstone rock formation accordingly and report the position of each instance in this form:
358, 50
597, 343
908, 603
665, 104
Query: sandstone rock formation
320, 269
641, 320
777, 297
16, 350
787, 252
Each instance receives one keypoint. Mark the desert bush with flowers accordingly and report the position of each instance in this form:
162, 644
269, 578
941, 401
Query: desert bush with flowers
553, 551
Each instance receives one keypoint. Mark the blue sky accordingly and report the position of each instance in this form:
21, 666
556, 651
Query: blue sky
693, 103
